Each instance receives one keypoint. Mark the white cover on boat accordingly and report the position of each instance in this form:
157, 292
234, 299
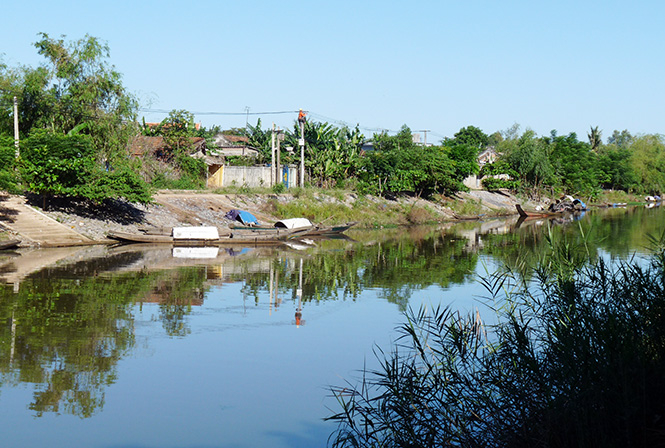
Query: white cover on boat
195, 233
293, 223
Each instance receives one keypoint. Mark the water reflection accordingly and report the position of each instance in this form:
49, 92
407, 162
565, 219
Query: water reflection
70, 315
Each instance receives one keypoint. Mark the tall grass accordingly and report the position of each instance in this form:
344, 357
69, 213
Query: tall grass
577, 358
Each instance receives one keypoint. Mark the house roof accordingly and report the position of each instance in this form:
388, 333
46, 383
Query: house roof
143, 145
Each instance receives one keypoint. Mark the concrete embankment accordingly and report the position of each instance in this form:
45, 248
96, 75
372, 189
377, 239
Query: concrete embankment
35, 228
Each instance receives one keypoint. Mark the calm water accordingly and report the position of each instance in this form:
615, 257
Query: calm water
144, 347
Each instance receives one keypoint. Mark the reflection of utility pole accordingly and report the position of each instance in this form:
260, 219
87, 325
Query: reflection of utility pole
272, 279
299, 320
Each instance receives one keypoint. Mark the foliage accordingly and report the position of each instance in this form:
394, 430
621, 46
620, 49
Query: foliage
499, 175
177, 129
621, 139
465, 157
8, 178
74, 93
648, 163
471, 135
528, 156
397, 165
595, 138
332, 154
60, 165
575, 359
614, 168
261, 140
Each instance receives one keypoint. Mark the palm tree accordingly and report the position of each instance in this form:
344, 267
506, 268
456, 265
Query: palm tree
595, 138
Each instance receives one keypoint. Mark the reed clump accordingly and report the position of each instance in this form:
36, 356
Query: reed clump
576, 358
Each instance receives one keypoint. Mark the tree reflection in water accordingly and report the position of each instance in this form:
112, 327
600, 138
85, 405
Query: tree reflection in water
66, 328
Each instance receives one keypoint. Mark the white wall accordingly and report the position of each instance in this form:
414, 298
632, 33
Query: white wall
254, 176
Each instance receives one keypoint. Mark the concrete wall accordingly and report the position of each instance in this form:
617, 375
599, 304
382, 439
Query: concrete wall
473, 183
249, 176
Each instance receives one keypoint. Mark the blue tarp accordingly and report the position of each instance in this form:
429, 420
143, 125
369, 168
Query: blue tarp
240, 215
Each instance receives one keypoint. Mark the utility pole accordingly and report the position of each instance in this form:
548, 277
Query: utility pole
425, 131
278, 166
301, 142
273, 172
16, 126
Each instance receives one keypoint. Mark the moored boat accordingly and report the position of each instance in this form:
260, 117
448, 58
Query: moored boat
205, 236
538, 214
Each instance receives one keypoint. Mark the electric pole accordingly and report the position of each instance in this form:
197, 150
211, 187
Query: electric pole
425, 131
273, 172
16, 126
301, 120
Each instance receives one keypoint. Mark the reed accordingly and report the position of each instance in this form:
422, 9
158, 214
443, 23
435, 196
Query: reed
577, 358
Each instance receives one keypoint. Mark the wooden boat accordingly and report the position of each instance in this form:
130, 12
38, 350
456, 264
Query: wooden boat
301, 226
206, 236
540, 214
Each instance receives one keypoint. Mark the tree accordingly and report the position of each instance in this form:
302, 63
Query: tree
621, 139
178, 129
529, 157
595, 139
66, 166
648, 163
471, 135
574, 164
88, 93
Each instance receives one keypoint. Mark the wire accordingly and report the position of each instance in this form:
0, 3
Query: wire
283, 112
164, 111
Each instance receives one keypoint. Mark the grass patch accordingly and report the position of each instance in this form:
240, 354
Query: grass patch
618, 197
468, 207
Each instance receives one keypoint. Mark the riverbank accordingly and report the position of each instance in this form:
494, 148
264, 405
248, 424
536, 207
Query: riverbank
186, 208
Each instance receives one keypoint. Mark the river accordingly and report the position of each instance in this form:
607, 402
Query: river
130, 347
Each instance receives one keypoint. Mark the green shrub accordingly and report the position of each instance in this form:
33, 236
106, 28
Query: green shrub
62, 165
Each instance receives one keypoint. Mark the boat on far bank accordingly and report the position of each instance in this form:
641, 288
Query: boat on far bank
536, 214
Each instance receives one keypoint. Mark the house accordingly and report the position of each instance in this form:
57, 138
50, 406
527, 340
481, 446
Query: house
143, 145
488, 155
232, 145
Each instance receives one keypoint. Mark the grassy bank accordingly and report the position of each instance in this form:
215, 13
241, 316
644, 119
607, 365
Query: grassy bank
336, 206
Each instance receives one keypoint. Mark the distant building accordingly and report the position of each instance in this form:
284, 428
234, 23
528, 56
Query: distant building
488, 155
143, 145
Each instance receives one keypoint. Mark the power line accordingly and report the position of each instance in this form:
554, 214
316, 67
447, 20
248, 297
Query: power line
284, 112
280, 112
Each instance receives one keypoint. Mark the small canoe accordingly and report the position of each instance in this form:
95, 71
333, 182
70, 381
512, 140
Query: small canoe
234, 237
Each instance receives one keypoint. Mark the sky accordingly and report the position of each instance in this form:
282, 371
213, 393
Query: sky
435, 66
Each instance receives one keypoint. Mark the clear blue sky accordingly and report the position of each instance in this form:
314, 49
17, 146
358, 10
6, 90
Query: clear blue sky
434, 65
